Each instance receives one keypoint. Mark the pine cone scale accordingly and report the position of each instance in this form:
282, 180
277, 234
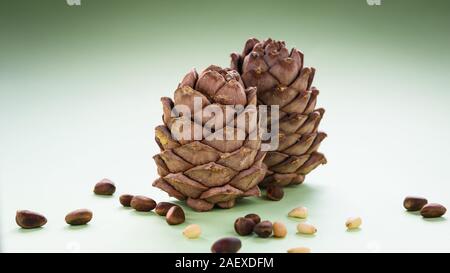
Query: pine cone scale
185, 185
211, 174
163, 185
196, 153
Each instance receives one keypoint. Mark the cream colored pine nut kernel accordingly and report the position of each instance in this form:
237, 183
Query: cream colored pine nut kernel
306, 228
353, 222
299, 250
300, 212
279, 230
192, 231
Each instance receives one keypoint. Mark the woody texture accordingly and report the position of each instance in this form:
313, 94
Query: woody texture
203, 170
282, 79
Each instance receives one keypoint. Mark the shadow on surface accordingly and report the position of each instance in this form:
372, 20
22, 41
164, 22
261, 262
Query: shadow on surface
412, 213
30, 230
308, 236
294, 196
103, 196
435, 220
142, 213
122, 208
73, 228
354, 230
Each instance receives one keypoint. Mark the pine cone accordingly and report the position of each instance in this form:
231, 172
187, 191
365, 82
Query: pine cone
199, 169
281, 79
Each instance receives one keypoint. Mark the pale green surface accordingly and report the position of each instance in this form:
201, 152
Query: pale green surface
79, 98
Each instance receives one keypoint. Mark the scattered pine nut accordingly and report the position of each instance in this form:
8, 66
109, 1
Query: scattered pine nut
192, 231
306, 228
300, 212
433, 210
279, 230
299, 250
353, 222
414, 203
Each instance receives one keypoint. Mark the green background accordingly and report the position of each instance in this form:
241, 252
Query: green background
79, 98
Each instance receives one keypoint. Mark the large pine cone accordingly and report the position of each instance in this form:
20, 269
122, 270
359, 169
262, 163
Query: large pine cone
281, 79
202, 170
